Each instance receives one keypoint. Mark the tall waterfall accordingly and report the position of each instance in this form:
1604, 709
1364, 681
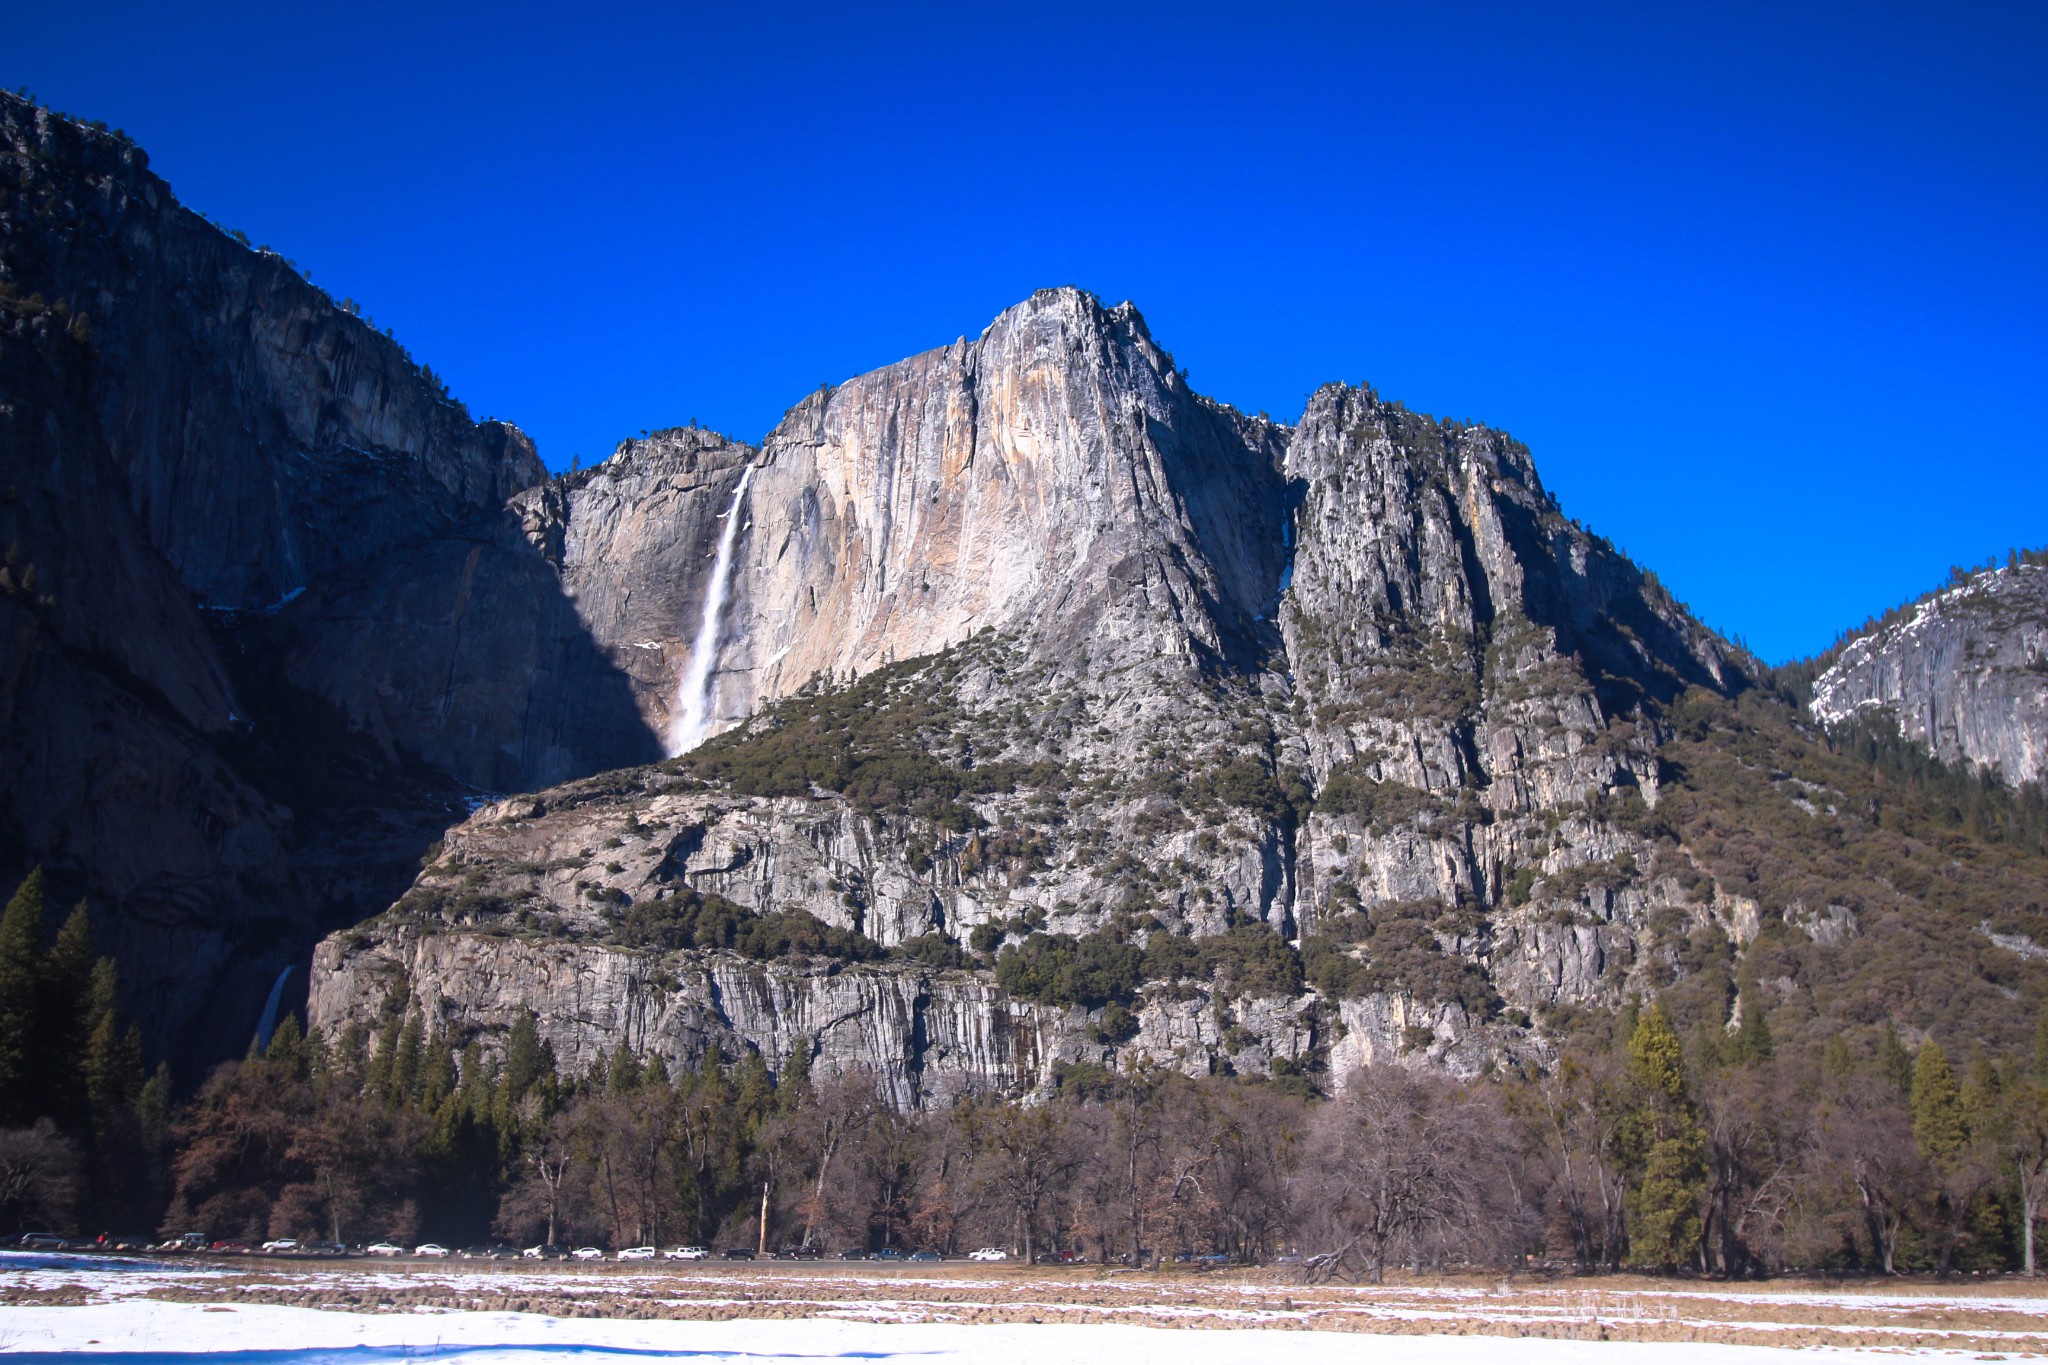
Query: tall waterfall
692, 721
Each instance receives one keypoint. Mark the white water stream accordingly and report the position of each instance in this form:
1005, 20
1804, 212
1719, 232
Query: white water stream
692, 723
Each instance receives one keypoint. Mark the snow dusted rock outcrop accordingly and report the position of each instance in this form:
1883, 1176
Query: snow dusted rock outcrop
1965, 673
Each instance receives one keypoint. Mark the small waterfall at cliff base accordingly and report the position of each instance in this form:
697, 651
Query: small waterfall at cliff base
692, 723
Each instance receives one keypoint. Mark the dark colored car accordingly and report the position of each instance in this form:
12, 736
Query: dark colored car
888, 1254
799, 1254
856, 1254
323, 1248
41, 1241
739, 1253
926, 1256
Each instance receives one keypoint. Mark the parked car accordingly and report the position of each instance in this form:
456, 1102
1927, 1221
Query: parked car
799, 1254
191, 1241
637, 1254
587, 1254
324, 1249
230, 1244
501, 1253
856, 1254
888, 1254
384, 1249
41, 1241
688, 1253
739, 1253
546, 1251
281, 1244
927, 1256
1213, 1258
989, 1254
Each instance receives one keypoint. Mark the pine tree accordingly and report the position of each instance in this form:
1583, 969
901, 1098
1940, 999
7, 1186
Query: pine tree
793, 1086
1894, 1063
1656, 1062
377, 1073
526, 1057
403, 1086
1940, 1129
1753, 1041
1664, 1130
623, 1076
1836, 1063
21, 941
112, 1068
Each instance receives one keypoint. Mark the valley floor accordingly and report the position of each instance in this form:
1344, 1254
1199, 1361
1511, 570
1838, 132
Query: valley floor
310, 1314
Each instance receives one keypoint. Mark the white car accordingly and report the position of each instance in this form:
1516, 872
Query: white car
282, 1244
688, 1254
430, 1249
637, 1254
384, 1249
587, 1254
989, 1254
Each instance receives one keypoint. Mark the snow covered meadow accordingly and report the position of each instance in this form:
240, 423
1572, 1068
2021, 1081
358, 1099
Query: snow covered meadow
310, 1314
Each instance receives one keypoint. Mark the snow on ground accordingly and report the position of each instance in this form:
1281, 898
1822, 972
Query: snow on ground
287, 1312
142, 1332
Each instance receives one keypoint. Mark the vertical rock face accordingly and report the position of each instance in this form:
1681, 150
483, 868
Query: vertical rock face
1965, 673
195, 441
1132, 668
1454, 638
1054, 479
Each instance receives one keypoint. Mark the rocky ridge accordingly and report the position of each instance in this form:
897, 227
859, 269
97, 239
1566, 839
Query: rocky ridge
1164, 674
1965, 672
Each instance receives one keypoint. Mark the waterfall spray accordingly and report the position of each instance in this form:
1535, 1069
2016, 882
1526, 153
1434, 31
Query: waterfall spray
692, 723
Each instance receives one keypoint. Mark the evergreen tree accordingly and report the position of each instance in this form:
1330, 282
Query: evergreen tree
112, 1070
21, 941
1664, 1202
1836, 1063
793, 1086
1753, 1041
623, 1076
526, 1056
68, 1014
403, 1085
1940, 1129
1894, 1063
1656, 1062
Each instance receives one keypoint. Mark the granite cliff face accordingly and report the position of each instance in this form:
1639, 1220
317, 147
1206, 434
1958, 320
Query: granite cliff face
1069, 718
1965, 673
1048, 645
196, 441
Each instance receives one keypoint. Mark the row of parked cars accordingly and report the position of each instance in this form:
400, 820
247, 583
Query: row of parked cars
293, 1246
698, 1253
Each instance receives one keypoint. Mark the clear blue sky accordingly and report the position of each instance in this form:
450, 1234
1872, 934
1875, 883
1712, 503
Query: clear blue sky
1764, 286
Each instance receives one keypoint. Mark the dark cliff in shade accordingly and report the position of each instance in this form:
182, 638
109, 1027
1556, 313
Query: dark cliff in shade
201, 452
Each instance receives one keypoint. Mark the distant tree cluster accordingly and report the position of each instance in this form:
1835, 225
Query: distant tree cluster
1720, 1154
81, 1130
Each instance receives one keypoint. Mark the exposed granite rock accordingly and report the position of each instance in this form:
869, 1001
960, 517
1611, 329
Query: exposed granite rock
1965, 673
1233, 673
194, 439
